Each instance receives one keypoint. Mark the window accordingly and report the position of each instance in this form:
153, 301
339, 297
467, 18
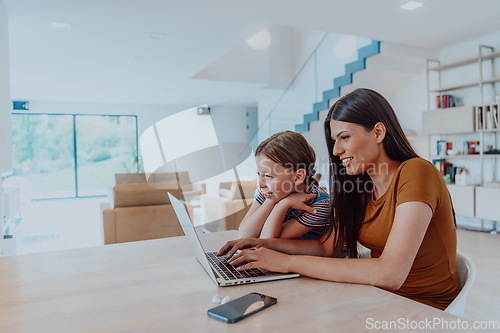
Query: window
65, 155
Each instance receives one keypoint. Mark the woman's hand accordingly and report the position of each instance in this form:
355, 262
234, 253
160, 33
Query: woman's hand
239, 244
262, 258
299, 201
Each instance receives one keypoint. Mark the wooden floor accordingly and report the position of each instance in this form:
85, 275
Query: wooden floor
63, 224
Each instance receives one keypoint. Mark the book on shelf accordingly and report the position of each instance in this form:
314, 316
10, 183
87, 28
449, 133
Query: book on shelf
479, 117
446, 169
448, 101
495, 116
487, 117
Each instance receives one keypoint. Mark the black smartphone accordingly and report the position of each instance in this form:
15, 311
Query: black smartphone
241, 307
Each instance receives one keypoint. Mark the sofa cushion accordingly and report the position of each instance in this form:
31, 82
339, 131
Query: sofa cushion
148, 222
129, 195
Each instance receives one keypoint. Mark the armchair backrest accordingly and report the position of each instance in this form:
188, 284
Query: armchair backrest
164, 180
234, 192
130, 195
130, 178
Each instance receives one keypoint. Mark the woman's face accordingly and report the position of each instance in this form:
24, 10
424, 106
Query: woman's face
275, 181
357, 148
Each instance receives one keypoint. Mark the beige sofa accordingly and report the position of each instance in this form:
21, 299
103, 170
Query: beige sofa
190, 191
140, 212
231, 205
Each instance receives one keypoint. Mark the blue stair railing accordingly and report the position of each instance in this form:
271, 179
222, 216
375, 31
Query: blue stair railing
338, 83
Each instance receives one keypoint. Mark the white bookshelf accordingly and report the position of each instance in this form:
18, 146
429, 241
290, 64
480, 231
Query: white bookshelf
468, 123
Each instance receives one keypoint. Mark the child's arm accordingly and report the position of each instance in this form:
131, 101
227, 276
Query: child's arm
252, 223
274, 226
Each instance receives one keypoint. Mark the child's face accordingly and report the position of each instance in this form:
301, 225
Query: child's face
275, 181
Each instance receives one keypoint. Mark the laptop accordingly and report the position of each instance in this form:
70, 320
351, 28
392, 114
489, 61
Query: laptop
222, 273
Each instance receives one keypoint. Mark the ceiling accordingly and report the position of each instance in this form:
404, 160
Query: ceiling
107, 54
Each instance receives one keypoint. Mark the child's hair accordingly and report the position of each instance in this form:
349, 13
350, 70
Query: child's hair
290, 150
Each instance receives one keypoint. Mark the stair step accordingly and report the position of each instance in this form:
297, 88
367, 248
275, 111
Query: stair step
320, 106
332, 93
342, 80
355, 66
310, 117
301, 128
369, 50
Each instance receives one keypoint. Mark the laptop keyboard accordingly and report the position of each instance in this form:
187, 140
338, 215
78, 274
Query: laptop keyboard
229, 272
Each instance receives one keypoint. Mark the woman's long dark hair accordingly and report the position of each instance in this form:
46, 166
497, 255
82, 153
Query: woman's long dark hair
364, 107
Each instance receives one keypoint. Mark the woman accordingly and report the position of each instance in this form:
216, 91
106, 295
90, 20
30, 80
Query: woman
383, 196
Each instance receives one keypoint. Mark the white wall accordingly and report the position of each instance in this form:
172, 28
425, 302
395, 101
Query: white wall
301, 43
5, 102
409, 103
465, 50
281, 63
230, 121
147, 114
5, 127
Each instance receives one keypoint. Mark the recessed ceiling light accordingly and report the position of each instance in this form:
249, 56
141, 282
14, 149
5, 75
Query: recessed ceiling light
156, 35
411, 5
59, 25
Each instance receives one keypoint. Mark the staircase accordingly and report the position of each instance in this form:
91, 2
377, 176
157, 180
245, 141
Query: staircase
339, 82
392, 70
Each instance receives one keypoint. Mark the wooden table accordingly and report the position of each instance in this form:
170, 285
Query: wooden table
158, 286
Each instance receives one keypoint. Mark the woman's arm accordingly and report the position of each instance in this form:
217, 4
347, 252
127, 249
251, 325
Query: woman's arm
312, 247
389, 271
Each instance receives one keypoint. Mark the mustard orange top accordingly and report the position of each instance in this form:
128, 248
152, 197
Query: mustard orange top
432, 279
